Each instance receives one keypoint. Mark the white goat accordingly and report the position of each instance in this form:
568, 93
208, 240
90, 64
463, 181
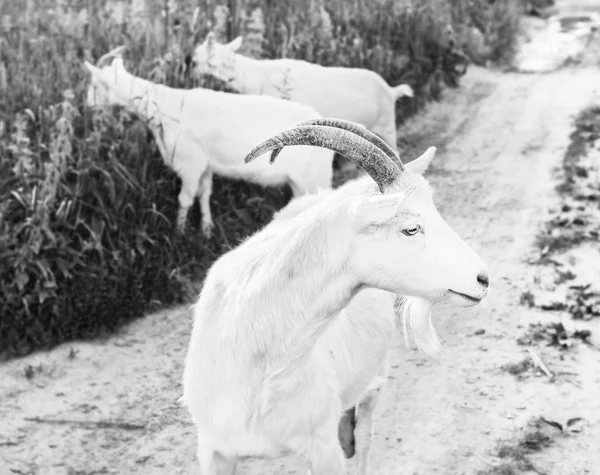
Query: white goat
355, 94
201, 131
258, 380
358, 341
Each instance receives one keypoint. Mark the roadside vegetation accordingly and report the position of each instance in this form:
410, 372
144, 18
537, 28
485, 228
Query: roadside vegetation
87, 208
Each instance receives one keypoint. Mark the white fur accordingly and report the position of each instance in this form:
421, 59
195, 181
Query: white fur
359, 339
201, 131
356, 346
356, 94
265, 372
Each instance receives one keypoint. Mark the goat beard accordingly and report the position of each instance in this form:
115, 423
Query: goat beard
418, 330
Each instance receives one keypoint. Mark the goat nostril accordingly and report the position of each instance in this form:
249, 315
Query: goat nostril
484, 280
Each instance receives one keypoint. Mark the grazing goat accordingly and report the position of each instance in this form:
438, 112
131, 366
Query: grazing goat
201, 131
257, 380
354, 94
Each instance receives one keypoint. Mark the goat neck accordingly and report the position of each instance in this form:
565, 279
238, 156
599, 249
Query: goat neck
144, 98
238, 71
303, 295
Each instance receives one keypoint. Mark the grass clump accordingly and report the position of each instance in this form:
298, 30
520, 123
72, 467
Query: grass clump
87, 208
515, 455
576, 219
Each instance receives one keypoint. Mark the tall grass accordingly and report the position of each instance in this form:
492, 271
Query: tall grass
87, 208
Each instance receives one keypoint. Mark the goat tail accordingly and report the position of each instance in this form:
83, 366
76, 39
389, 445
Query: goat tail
417, 328
403, 90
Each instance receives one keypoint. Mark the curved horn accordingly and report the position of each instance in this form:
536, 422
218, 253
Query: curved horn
362, 152
361, 131
111, 54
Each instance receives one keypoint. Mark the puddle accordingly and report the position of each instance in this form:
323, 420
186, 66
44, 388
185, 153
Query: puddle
556, 41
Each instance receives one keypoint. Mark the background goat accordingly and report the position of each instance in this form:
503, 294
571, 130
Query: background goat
354, 94
254, 381
201, 131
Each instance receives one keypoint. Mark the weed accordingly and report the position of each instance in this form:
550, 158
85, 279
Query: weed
527, 298
519, 369
30, 371
576, 220
87, 207
515, 454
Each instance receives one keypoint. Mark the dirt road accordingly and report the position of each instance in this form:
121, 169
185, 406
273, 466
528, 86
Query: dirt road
499, 138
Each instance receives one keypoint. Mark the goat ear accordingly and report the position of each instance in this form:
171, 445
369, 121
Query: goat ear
117, 63
381, 209
420, 165
93, 70
95, 73
97, 77
234, 45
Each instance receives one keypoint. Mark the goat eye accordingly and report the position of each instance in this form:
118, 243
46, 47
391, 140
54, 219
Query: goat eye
411, 231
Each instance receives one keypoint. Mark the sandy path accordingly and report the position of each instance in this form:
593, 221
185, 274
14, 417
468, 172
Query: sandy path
499, 138
497, 171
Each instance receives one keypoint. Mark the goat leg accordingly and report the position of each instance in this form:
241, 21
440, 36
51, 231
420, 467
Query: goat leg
181, 219
204, 193
325, 456
187, 194
211, 462
364, 429
346, 432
